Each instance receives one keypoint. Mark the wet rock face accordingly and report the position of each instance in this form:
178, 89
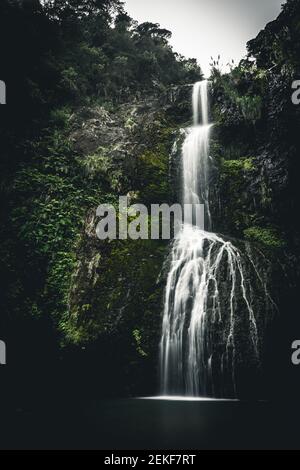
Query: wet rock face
235, 339
94, 127
175, 165
177, 101
116, 292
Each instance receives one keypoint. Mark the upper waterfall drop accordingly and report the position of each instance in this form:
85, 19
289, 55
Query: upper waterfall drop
200, 103
195, 156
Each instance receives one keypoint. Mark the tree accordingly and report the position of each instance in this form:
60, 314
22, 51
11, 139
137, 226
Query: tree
62, 10
154, 31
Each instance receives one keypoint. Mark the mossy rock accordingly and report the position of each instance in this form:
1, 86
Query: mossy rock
266, 236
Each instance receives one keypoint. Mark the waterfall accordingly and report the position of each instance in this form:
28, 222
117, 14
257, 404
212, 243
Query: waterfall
195, 152
200, 102
206, 285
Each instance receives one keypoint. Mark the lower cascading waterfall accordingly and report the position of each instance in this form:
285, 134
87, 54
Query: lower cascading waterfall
207, 293
193, 302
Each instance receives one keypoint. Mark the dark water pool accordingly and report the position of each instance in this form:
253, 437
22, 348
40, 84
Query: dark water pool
151, 424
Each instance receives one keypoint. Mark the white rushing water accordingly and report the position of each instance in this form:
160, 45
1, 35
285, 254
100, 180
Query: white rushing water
196, 171
200, 103
199, 259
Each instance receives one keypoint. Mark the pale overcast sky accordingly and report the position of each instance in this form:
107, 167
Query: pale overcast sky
204, 28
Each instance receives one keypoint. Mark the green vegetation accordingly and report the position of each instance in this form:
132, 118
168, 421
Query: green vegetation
236, 168
266, 236
256, 142
138, 339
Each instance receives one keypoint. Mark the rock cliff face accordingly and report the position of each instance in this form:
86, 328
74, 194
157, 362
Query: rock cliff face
117, 289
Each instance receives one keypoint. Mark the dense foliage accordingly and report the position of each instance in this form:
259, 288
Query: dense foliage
69, 53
